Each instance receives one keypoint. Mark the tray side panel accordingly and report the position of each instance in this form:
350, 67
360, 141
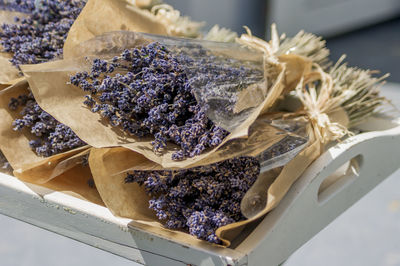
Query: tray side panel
300, 215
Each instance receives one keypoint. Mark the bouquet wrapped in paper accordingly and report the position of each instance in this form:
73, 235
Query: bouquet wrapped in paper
176, 101
40, 149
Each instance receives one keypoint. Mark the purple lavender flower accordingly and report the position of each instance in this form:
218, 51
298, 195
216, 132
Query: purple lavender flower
52, 136
201, 199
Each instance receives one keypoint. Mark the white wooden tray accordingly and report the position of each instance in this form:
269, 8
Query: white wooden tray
304, 211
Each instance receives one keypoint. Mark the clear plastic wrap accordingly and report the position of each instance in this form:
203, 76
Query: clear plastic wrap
218, 71
285, 150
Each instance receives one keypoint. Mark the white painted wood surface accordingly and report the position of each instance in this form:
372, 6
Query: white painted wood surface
301, 215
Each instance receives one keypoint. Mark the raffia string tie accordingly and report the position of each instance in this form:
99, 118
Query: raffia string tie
317, 104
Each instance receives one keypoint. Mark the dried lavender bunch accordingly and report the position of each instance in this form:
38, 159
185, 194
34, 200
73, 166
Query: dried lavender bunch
147, 92
52, 136
39, 37
199, 199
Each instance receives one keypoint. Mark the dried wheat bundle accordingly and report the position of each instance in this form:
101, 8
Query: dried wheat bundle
357, 91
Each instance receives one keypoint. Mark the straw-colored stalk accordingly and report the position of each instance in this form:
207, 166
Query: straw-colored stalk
357, 91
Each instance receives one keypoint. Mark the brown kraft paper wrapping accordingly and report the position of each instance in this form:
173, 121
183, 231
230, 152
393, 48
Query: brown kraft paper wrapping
101, 16
129, 200
261, 137
49, 83
74, 182
62, 172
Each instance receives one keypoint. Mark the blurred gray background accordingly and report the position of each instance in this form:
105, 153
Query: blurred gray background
368, 234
